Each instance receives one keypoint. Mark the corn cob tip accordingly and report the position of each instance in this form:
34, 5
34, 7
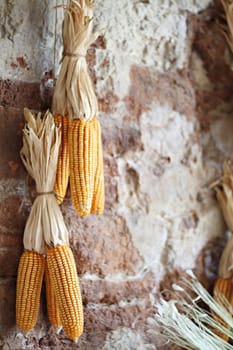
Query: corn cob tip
74, 332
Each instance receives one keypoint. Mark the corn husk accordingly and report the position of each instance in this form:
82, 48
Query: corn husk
41, 142
224, 192
74, 93
227, 29
225, 268
183, 322
222, 294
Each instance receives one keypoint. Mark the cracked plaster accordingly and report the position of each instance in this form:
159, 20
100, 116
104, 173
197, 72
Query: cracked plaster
163, 192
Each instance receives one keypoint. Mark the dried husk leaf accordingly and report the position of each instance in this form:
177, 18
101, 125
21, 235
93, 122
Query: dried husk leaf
228, 29
224, 192
225, 269
74, 93
184, 322
41, 142
222, 294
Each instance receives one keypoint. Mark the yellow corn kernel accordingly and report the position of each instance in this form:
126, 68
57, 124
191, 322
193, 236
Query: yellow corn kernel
83, 160
223, 294
63, 169
28, 290
98, 195
52, 304
64, 281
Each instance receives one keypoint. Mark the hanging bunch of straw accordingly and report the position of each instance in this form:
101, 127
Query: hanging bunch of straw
46, 241
75, 109
185, 323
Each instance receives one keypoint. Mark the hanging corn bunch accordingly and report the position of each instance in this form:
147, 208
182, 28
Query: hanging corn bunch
74, 96
223, 288
46, 238
224, 191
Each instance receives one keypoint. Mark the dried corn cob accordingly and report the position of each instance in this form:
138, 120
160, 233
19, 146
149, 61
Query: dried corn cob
29, 281
64, 281
83, 158
63, 170
223, 294
98, 195
52, 304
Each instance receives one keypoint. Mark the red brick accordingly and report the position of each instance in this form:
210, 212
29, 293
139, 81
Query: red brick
11, 123
9, 240
102, 244
210, 45
111, 292
19, 94
110, 182
9, 260
172, 88
12, 219
120, 136
7, 305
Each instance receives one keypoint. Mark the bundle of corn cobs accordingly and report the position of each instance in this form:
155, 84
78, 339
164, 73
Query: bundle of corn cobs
223, 288
58, 149
75, 110
46, 242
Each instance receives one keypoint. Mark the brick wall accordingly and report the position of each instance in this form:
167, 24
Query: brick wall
163, 79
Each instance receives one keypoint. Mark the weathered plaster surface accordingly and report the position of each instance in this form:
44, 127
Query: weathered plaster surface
132, 30
163, 191
153, 33
27, 38
125, 337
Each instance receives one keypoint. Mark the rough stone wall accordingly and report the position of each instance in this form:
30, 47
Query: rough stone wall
162, 73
